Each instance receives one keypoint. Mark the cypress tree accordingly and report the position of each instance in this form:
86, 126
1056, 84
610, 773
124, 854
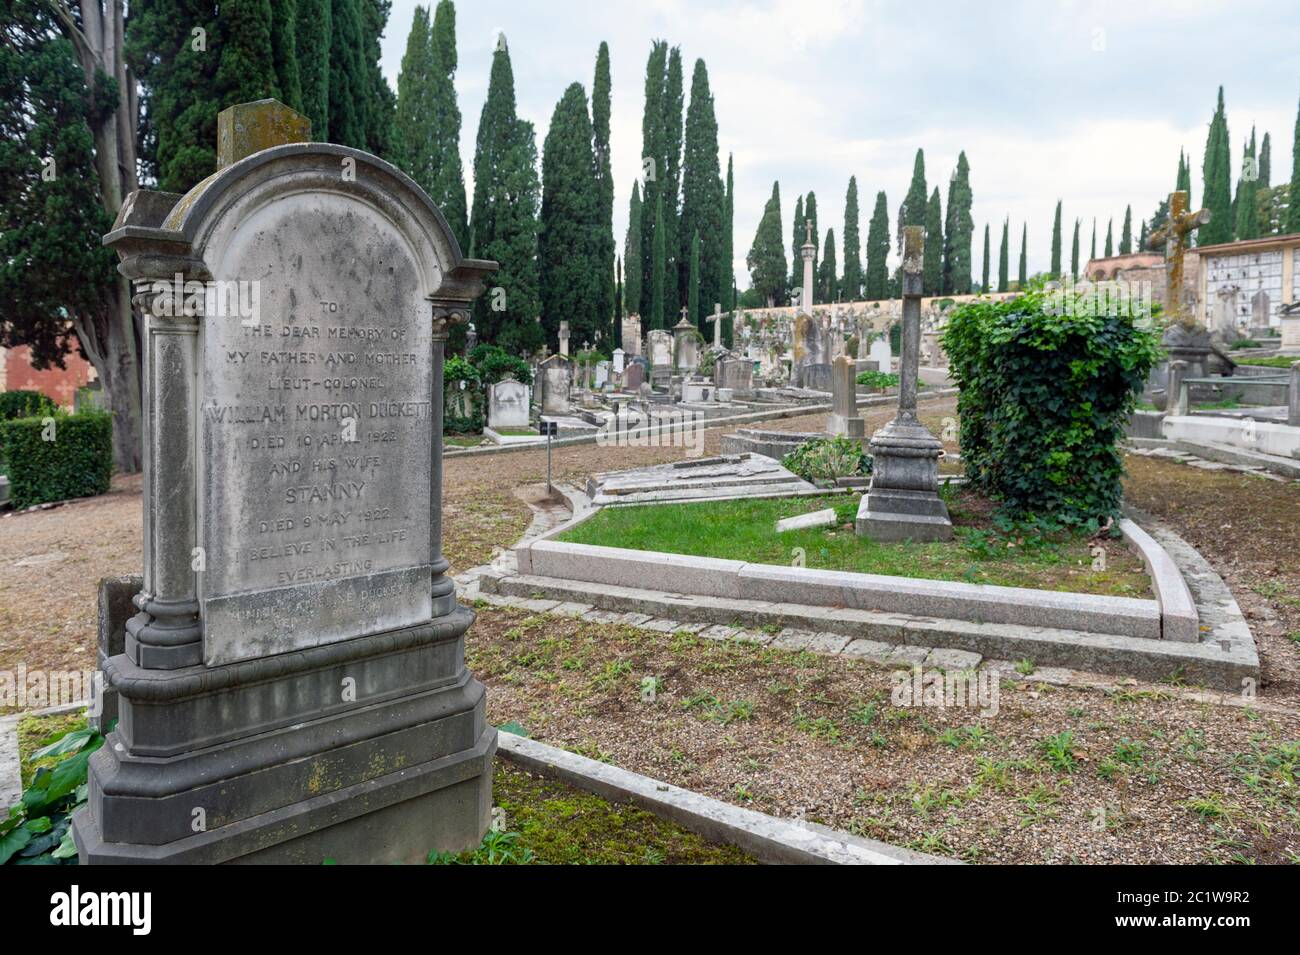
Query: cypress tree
245, 70
984, 274
448, 180
632, 253
797, 234
618, 299
1024, 257
1265, 164
284, 49
827, 281
568, 244
658, 272
958, 231
347, 82
1143, 236
1217, 174
932, 264
1247, 219
1004, 254
414, 129
728, 251
1126, 232
312, 42
703, 195
653, 164
1056, 243
810, 212
675, 282
851, 286
1074, 252
913, 209
1093, 253
693, 281
876, 278
379, 102
1184, 183
1110, 245
1291, 223
766, 258
601, 156
503, 220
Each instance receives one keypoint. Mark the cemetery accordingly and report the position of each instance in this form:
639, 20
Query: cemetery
894, 568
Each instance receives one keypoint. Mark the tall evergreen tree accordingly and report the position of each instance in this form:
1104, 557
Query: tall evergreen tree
1265, 164
674, 101
1093, 254
932, 263
1126, 232
312, 44
984, 274
659, 271
703, 195
913, 209
1217, 173
1247, 217
1110, 244
503, 219
810, 212
414, 127
245, 68
827, 279
284, 50
766, 258
851, 286
1023, 279
798, 233
1184, 182
601, 156
447, 185
618, 299
1143, 235
958, 231
693, 280
1291, 224
347, 94
876, 278
632, 253
1004, 257
377, 113
1055, 272
568, 243
728, 250
654, 164
1074, 252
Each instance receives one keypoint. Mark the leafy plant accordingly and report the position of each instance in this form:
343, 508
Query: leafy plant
1048, 381
57, 457
825, 459
493, 363
1058, 750
25, 404
497, 848
877, 380
38, 830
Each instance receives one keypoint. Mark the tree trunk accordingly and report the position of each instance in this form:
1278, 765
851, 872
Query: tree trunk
112, 343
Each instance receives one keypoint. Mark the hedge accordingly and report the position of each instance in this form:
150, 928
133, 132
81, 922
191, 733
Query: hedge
1046, 389
25, 404
75, 461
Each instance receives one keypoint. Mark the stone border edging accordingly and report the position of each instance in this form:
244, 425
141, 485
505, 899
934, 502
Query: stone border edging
797, 411
767, 838
1179, 620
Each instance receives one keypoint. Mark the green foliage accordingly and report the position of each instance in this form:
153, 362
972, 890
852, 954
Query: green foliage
878, 380
851, 282
1044, 400
877, 275
984, 273
1217, 189
825, 459
932, 262
1292, 221
959, 229
497, 848
25, 404
913, 210
38, 829
703, 200
1004, 252
461, 416
493, 363
603, 168
1125, 235
312, 43
827, 280
798, 230
632, 254
1055, 271
569, 243
58, 457
1246, 204
766, 258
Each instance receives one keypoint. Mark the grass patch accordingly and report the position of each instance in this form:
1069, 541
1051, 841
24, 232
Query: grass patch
979, 553
34, 730
1271, 361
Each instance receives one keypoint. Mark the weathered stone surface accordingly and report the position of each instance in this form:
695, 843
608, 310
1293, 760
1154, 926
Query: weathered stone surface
812, 519
246, 128
508, 404
947, 659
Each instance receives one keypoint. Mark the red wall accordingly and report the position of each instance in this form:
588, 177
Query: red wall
59, 384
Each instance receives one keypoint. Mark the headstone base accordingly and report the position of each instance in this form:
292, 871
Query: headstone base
902, 502
847, 427
371, 750
892, 516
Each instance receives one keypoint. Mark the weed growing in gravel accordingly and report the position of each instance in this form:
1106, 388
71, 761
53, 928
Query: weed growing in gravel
1058, 750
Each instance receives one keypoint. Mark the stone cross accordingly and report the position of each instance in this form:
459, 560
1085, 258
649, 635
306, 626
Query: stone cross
807, 251
910, 349
1175, 235
716, 319
564, 338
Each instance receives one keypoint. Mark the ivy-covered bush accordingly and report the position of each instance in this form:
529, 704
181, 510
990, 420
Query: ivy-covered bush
462, 407
825, 459
1046, 388
57, 457
878, 380
493, 363
25, 404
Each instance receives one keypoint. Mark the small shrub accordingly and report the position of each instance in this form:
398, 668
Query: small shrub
25, 404
825, 459
493, 364
57, 457
38, 829
879, 380
461, 415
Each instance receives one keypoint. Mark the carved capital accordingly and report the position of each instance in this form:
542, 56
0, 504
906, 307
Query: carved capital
447, 314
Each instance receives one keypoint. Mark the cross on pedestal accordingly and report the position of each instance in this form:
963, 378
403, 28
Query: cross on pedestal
716, 319
902, 502
1175, 235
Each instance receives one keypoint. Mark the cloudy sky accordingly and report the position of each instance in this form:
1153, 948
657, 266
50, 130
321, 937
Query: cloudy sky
1088, 102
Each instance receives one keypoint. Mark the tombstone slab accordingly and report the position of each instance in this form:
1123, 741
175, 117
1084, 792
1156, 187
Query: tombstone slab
295, 670
508, 404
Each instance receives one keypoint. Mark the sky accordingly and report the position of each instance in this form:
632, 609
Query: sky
1086, 102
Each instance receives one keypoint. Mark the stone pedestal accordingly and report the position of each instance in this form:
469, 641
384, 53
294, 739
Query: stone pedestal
844, 419
1191, 346
902, 502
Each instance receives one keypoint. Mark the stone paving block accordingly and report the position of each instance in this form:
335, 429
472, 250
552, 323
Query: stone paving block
662, 625
719, 632
752, 636
909, 655
602, 616
571, 608
953, 660
868, 650
633, 619
538, 605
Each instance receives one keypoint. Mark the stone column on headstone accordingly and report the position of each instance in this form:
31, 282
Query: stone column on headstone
902, 502
716, 319
807, 251
1175, 394
564, 338
844, 419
